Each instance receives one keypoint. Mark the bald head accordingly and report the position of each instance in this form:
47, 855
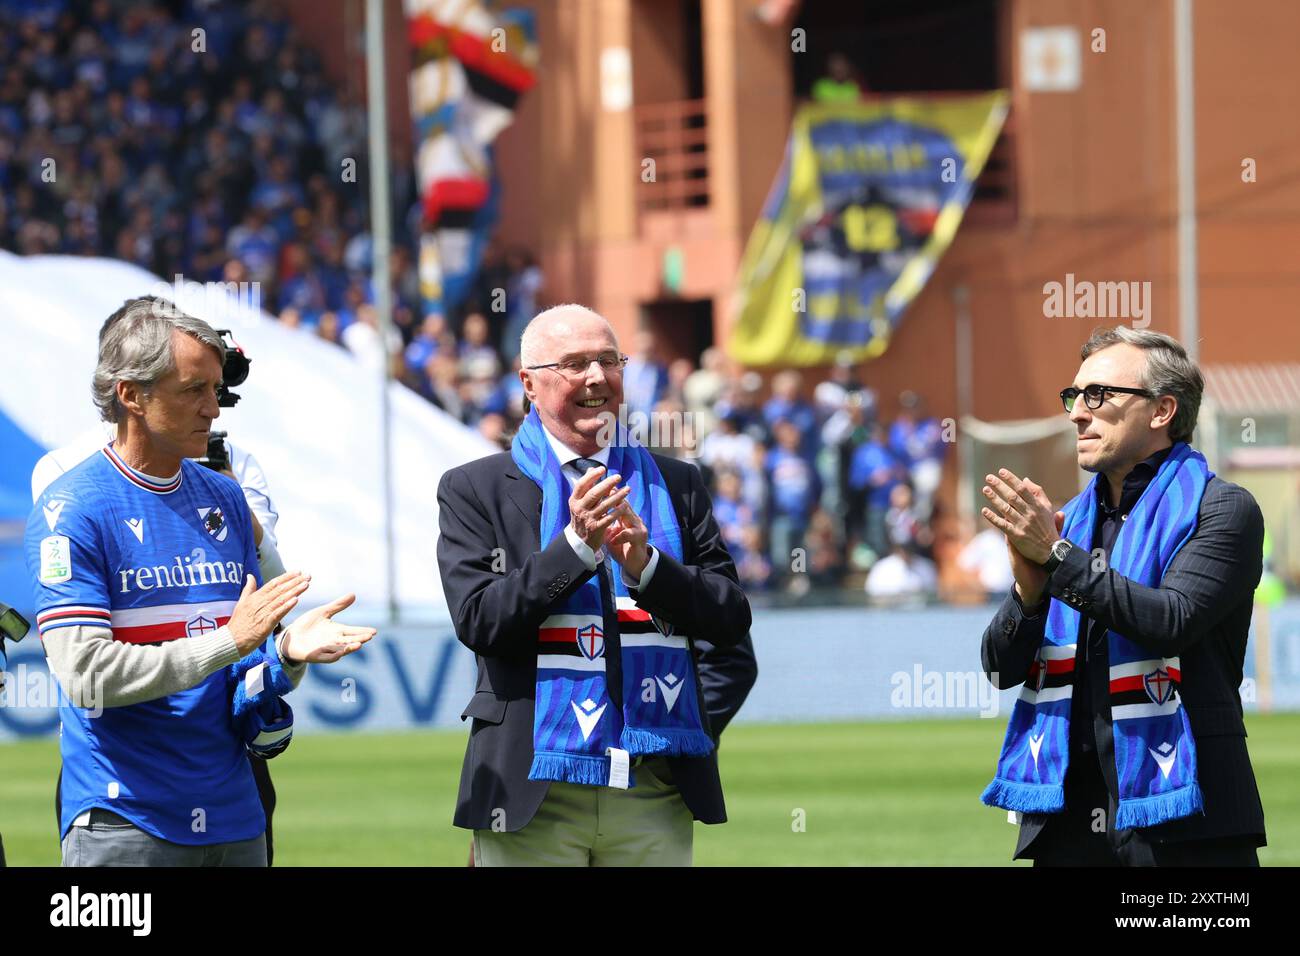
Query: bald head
572, 398
545, 336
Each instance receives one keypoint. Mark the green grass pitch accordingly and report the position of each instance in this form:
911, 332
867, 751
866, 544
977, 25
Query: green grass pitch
896, 793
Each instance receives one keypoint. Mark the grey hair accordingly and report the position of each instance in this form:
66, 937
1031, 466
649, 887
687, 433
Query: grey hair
1168, 371
530, 347
135, 345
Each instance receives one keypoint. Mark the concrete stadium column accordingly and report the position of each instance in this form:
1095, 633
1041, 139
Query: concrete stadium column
609, 216
588, 170
749, 89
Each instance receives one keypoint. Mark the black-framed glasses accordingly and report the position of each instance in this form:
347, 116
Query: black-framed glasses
609, 362
1095, 394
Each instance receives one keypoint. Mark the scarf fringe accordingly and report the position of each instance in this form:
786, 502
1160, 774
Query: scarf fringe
669, 742
1149, 811
1024, 797
570, 768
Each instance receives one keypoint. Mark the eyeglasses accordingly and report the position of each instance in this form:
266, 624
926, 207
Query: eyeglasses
1095, 394
610, 362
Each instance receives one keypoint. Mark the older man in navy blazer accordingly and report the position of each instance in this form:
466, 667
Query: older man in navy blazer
500, 583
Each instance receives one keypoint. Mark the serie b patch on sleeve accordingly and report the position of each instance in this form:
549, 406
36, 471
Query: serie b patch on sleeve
56, 559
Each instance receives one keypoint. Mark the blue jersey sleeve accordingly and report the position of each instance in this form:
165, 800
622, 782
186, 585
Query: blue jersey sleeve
67, 562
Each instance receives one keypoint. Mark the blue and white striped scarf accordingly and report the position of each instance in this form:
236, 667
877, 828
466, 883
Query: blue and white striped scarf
574, 727
1155, 753
260, 714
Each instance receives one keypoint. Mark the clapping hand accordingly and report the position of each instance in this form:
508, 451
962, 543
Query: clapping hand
628, 539
1022, 511
318, 639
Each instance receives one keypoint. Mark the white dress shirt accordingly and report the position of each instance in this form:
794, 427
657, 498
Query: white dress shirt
569, 467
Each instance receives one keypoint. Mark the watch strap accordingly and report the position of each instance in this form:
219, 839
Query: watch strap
1054, 559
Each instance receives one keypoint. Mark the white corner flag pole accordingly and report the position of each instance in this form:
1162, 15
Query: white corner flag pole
377, 112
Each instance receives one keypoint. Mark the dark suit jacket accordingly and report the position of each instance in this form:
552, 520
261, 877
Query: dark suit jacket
488, 504
1200, 613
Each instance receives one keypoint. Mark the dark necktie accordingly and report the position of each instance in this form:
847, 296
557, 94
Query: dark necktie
613, 647
602, 567
586, 464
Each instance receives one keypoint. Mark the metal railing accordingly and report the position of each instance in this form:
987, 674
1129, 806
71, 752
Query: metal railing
674, 137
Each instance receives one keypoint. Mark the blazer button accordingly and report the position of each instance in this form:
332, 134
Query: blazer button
1008, 627
563, 579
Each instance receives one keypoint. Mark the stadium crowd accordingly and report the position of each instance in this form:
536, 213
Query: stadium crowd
192, 138
226, 167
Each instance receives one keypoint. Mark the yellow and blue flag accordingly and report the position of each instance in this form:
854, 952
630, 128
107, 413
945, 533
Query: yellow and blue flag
867, 199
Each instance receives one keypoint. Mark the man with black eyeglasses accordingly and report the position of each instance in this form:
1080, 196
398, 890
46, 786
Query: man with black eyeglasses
610, 630
1127, 628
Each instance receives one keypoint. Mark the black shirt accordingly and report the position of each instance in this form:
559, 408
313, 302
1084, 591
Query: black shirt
1090, 701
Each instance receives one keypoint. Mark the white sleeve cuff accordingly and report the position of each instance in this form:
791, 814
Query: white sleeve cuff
293, 669
646, 573
580, 548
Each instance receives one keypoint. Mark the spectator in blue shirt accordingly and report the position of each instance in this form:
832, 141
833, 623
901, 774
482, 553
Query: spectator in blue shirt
874, 472
795, 489
917, 440
301, 287
646, 376
255, 244
732, 513
426, 344
786, 404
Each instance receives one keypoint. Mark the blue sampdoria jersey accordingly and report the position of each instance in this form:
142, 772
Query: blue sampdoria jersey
156, 562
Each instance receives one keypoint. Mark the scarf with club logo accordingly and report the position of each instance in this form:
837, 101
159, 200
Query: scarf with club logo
1155, 753
574, 727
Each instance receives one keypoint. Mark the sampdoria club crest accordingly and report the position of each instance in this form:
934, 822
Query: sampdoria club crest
1159, 685
591, 641
214, 522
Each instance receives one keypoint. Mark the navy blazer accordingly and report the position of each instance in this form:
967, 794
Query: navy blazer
1200, 613
500, 583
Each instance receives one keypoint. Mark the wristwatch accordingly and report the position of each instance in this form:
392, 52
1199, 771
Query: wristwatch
1059, 552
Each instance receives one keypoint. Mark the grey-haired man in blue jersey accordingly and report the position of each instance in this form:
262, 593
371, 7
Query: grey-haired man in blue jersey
146, 594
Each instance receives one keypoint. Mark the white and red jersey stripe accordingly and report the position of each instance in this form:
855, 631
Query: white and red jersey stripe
143, 625
72, 615
167, 622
